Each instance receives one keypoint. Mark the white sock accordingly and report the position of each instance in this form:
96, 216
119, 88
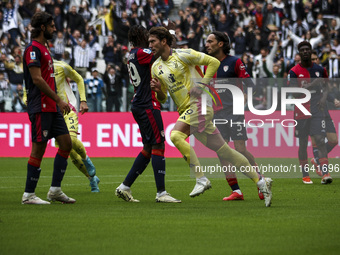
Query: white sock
238, 191
161, 194
26, 194
55, 189
203, 178
124, 187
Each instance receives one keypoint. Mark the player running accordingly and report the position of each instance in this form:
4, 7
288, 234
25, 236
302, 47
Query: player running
146, 111
176, 71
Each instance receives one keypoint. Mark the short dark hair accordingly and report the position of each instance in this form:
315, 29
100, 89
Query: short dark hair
162, 33
304, 43
38, 19
138, 36
223, 37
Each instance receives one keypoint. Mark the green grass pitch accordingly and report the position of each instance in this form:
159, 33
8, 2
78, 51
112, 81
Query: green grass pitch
303, 219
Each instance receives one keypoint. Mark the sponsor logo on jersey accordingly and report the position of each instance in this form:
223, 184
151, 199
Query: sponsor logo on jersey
147, 51
301, 75
46, 53
317, 74
225, 68
32, 55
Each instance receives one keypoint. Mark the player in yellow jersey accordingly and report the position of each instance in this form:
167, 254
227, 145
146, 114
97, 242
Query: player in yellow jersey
176, 71
78, 154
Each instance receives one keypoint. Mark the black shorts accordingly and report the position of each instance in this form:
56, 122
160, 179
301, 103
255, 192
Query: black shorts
310, 127
234, 128
330, 128
46, 125
150, 125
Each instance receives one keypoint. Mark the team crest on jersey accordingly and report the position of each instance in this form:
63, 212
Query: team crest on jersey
317, 74
45, 133
147, 51
225, 68
301, 75
32, 55
242, 67
171, 78
160, 67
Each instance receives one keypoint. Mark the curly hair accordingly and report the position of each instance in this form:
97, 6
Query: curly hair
38, 19
138, 36
162, 33
304, 43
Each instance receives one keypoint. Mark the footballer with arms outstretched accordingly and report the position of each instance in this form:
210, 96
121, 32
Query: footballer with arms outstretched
146, 111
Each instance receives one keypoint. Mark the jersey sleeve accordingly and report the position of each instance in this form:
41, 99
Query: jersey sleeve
73, 75
145, 56
32, 56
192, 57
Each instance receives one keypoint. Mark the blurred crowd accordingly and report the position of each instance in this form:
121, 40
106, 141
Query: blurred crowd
92, 36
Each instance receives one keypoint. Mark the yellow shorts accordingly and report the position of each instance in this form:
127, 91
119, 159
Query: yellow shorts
194, 118
71, 120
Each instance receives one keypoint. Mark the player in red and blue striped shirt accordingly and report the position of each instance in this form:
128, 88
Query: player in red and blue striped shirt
45, 110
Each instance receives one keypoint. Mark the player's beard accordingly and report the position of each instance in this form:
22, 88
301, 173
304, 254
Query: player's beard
48, 35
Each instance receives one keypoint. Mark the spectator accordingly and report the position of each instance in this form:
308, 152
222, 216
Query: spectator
110, 51
4, 91
10, 24
240, 42
82, 55
85, 12
16, 73
336, 46
113, 90
270, 16
94, 52
75, 20
94, 86
59, 45
333, 65
58, 19
18, 105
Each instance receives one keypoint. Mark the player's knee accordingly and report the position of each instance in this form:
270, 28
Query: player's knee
319, 140
158, 146
177, 137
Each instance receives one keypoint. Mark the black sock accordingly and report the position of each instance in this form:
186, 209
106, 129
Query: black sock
33, 174
138, 167
60, 164
158, 164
